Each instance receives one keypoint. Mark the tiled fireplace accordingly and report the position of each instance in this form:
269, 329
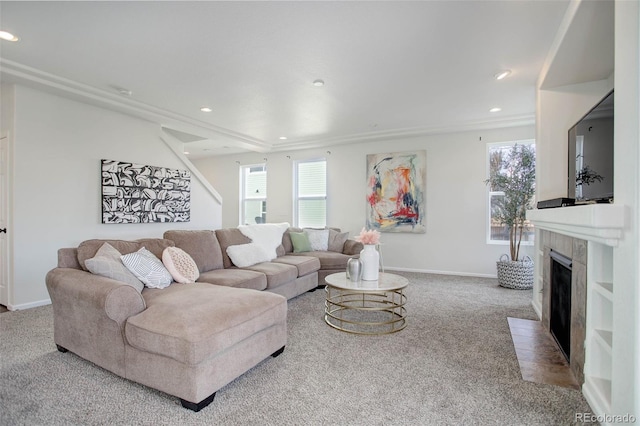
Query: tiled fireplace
585, 237
574, 249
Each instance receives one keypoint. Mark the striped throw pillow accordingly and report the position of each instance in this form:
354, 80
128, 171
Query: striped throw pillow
148, 268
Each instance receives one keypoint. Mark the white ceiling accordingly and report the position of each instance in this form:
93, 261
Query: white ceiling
391, 68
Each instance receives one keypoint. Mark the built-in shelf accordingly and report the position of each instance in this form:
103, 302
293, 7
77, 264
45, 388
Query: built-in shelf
605, 338
604, 289
599, 343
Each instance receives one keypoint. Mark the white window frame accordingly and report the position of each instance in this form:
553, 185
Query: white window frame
490, 193
243, 196
296, 198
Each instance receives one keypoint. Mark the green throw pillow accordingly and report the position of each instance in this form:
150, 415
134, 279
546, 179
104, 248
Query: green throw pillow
300, 241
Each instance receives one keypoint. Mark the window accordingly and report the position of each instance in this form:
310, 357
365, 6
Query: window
310, 203
253, 194
498, 232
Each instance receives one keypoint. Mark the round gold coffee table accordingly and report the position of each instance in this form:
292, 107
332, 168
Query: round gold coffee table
366, 307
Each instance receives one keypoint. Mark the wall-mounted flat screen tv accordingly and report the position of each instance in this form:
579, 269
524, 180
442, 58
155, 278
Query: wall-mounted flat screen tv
591, 155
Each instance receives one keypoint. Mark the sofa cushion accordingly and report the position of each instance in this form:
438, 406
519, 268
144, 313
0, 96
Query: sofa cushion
193, 322
148, 268
337, 240
202, 246
229, 237
107, 263
305, 264
88, 249
235, 277
180, 265
328, 259
277, 273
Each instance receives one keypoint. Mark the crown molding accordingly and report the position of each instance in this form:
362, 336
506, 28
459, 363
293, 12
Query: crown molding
512, 121
14, 72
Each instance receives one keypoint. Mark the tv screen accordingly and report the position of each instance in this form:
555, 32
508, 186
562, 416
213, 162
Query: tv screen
591, 155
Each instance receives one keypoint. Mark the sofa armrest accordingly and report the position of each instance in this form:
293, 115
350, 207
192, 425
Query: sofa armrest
92, 297
352, 247
89, 315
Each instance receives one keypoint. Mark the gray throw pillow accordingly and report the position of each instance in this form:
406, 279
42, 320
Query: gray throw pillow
337, 240
107, 263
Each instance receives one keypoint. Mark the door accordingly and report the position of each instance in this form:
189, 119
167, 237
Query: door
4, 209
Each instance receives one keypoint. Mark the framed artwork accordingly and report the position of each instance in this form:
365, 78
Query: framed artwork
136, 193
396, 185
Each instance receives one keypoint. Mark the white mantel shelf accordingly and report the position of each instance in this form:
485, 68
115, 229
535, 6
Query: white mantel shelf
602, 223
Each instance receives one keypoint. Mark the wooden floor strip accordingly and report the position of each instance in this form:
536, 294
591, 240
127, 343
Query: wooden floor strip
540, 359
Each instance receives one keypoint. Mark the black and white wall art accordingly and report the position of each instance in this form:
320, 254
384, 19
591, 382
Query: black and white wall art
136, 193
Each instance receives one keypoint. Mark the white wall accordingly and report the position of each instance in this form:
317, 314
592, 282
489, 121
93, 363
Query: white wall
57, 147
455, 241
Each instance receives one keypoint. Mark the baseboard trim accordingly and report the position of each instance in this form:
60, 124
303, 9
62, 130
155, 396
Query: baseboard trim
29, 305
431, 271
537, 308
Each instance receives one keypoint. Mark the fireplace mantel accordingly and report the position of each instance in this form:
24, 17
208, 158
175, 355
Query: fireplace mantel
602, 223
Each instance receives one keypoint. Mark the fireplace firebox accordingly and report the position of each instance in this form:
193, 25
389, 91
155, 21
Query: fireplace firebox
560, 301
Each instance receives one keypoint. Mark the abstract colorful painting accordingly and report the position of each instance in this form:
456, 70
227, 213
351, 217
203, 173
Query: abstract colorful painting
135, 193
396, 191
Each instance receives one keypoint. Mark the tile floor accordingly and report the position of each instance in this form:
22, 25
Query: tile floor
540, 359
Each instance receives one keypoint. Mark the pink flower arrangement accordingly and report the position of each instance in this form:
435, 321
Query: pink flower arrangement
368, 236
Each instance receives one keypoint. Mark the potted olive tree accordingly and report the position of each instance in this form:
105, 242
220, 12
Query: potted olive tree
514, 173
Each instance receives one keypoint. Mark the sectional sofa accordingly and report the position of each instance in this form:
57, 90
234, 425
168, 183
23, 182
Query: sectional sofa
187, 340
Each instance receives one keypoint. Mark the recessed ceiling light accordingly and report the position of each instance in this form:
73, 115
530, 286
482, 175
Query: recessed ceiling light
283, 138
502, 74
318, 83
186, 152
206, 109
125, 92
496, 109
4, 35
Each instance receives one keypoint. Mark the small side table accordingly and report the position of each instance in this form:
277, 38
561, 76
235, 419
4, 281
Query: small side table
366, 307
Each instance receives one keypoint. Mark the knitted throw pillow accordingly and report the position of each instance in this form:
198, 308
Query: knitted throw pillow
180, 265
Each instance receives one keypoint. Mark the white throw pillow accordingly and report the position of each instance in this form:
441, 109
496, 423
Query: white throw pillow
107, 263
180, 265
243, 255
148, 268
319, 239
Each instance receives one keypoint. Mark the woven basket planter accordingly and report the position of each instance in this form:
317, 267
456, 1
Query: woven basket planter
516, 274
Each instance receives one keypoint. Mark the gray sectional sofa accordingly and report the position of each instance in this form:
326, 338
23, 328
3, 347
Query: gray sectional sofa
187, 340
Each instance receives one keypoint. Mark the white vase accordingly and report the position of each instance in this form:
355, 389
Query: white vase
370, 262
